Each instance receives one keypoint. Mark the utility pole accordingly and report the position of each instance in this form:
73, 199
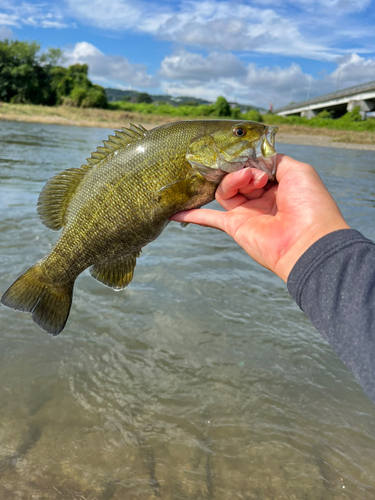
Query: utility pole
309, 89
338, 78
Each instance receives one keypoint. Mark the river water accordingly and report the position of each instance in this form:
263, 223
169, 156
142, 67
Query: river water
202, 380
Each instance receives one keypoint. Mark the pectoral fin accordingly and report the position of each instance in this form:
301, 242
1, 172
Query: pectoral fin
177, 194
116, 273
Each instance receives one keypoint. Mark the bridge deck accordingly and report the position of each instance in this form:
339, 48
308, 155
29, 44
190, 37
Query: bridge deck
357, 92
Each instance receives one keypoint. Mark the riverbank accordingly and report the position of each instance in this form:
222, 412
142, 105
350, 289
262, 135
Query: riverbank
114, 119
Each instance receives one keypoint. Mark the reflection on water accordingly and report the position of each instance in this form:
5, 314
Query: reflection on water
203, 380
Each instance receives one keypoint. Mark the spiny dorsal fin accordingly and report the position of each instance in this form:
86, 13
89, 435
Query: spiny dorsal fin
57, 194
116, 142
55, 197
116, 273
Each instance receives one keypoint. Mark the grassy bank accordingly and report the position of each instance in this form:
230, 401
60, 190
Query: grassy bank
116, 118
349, 122
79, 117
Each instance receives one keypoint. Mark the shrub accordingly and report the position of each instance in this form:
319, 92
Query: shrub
253, 115
352, 116
325, 114
235, 113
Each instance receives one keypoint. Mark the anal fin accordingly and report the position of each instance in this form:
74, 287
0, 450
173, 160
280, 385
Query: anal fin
116, 273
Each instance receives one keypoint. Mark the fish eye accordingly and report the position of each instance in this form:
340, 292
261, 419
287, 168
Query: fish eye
239, 131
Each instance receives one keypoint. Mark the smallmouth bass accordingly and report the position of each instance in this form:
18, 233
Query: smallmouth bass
121, 200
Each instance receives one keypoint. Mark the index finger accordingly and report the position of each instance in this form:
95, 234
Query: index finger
240, 183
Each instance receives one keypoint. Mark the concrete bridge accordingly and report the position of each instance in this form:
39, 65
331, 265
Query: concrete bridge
339, 102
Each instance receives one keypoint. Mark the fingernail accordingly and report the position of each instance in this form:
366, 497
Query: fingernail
258, 174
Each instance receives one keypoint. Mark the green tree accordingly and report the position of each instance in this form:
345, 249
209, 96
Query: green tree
221, 107
73, 87
23, 77
190, 102
27, 76
62, 83
52, 57
144, 97
95, 98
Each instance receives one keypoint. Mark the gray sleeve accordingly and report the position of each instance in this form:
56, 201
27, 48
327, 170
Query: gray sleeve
333, 282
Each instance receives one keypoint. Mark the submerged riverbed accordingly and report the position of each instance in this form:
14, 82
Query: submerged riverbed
202, 380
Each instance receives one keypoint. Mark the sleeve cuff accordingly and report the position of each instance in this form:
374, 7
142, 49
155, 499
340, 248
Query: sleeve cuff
318, 254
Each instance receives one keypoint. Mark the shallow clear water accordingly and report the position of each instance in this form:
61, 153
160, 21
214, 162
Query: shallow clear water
203, 380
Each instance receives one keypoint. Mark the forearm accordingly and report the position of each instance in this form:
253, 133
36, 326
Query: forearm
334, 284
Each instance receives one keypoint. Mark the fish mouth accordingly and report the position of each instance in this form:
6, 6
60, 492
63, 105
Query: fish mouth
267, 165
265, 154
261, 156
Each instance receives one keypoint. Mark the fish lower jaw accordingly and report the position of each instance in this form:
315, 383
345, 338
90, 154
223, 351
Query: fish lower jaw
267, 165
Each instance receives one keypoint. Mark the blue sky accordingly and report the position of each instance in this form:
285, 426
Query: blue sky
253, 52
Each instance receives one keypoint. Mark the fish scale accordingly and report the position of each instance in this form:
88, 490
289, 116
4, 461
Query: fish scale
122, 199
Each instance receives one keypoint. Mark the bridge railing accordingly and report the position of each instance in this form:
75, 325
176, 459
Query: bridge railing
326, 97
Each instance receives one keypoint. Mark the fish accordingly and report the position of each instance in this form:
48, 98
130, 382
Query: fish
122, 199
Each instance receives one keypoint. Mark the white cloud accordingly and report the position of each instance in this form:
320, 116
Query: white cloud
6, 33
109, 69
298, 28
318, 30
262, 85
183, 65
209, 23
259, 87
353, 70
208, 91
276, 84
8, 19
29, 14
336, 6
52, 24
115, 15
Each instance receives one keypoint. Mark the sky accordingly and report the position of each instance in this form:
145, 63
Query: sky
252, 52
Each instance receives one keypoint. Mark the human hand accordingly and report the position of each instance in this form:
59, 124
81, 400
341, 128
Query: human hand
275, 226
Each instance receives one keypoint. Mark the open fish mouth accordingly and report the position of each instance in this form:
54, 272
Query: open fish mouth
266, 154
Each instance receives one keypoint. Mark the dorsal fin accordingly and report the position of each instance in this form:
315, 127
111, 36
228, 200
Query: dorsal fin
115, 142
56, 195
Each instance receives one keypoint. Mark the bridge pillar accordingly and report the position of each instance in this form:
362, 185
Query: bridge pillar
308, 113
365, 106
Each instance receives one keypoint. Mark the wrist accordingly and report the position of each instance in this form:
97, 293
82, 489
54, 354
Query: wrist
305, 241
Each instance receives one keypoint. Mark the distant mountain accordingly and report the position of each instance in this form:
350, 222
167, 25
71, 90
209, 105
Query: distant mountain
119, 95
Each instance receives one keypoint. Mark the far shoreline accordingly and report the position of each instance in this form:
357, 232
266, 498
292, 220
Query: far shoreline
320, 141
110, 119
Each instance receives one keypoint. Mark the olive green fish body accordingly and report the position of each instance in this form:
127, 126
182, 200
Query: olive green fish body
122, 200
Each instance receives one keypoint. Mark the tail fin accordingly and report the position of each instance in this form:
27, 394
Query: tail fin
48, 303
